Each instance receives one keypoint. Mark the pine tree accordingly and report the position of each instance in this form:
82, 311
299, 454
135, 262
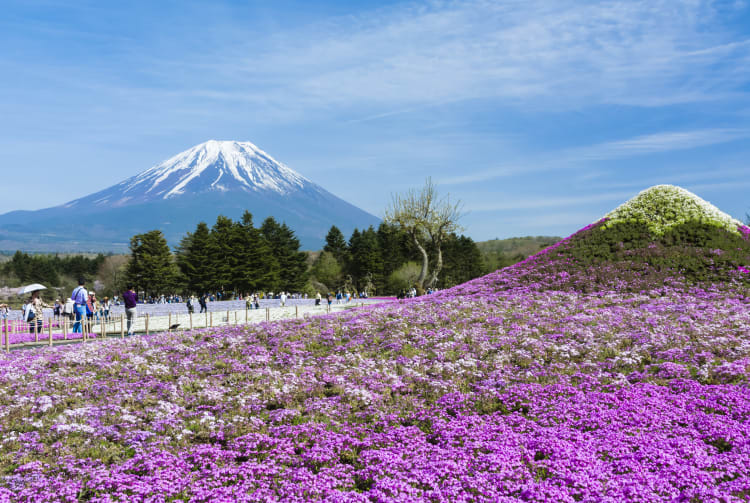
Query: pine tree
152, 268
462, 261
336, 245
285, 248
365, 257
258, 266
193, 258
225, 252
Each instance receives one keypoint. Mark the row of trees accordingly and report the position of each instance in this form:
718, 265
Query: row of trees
387, 260
229, 257
416, 246
55, 270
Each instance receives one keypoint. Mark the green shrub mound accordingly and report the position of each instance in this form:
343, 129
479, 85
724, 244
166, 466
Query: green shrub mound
699, 251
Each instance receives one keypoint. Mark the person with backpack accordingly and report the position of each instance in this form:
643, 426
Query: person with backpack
80, 298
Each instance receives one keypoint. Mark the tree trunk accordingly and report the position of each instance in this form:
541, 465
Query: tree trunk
436, 270
425, 262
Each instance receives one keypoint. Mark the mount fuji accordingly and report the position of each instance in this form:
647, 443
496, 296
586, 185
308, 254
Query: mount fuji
207, 180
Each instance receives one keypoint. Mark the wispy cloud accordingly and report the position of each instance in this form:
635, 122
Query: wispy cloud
394, 60
524, 203
655, 143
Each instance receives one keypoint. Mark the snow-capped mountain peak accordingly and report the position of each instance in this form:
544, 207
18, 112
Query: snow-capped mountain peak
217, 165
212, 166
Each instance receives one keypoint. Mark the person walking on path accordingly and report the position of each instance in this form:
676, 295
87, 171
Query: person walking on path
190, 307
79, 297
283, 299
318, 298
131, 301
106, 305
202, 302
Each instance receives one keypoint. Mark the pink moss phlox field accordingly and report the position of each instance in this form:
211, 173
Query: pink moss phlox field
513, 387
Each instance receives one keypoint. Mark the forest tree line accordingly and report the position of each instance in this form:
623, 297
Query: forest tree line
236, 256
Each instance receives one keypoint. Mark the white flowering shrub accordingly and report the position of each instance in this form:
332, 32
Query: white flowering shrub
664, 206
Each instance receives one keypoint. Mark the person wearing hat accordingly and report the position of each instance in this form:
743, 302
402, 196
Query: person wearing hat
80, 297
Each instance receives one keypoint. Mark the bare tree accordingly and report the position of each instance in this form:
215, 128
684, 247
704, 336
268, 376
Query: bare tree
426, 218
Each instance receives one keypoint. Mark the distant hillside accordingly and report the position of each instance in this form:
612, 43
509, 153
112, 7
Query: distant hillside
499, 253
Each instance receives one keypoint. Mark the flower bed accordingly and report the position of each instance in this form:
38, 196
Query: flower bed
518, 394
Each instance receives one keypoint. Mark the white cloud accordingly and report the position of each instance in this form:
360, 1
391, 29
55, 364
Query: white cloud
523, 203
539, 53
655, 143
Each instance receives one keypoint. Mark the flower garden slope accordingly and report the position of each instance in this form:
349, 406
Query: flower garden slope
558, 379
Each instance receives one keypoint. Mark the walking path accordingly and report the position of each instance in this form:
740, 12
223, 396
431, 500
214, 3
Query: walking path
146, 323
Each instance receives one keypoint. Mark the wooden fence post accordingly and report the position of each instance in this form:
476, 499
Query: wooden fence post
191, 321
103, 324
228, 322
169, 326
296, 311
246, 310
235, 318
211, 318
147, 323
49, 331
7, 336
268, 314
36, 329
122, 326
206, 324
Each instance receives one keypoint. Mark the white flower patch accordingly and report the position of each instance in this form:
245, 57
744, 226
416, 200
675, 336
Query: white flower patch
664, 206
138, 360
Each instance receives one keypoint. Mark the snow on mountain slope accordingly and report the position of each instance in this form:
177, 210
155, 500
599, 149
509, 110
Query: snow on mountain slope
213, 166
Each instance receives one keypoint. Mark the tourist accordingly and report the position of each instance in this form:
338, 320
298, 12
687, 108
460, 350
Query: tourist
57, 309
90, 306
131, 301
318, 298
69, 309
257, 301
106, 305
202, 302
249, 302
282, 297
4, 311
190, 307
79, 297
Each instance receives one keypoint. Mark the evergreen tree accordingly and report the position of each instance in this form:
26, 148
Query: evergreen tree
285, 247
395, 250
225, 252
258, 266
336, 245
365, 257
152, 268
462, 261
193, 257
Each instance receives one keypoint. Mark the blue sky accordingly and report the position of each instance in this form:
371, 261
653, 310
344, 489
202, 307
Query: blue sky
540, 116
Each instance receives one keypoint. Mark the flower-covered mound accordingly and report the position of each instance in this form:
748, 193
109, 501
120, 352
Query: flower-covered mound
666, 206
612, 366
